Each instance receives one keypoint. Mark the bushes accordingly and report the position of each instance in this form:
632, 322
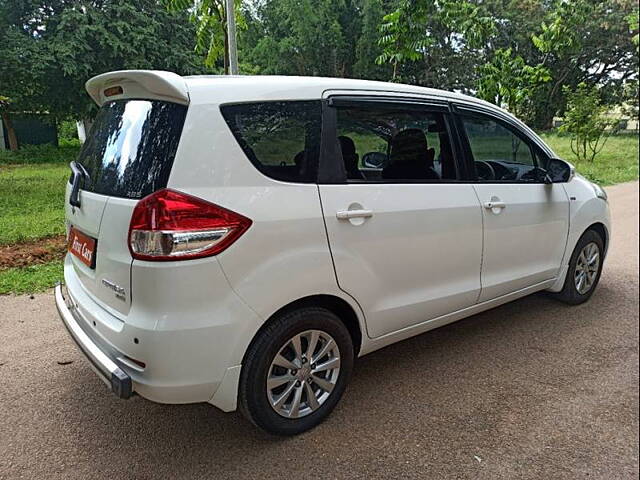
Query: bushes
36, 154
586, 123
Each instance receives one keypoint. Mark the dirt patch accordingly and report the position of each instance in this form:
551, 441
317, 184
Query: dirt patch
44, 250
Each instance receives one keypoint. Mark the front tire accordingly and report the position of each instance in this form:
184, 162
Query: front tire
584, 271
295, 371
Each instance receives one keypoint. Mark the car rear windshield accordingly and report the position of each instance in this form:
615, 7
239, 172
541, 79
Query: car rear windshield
282, 139
130, 149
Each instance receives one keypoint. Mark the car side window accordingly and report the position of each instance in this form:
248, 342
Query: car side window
282, 139
382, 144
499, 153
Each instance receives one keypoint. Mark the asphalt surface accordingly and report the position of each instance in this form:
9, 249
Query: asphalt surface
533, 389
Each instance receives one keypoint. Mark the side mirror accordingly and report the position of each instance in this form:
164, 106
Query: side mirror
374, 159
560, 171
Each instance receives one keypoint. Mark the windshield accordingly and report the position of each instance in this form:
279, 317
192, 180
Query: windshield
130, 149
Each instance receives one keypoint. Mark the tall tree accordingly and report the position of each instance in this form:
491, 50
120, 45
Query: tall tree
210, 19
508, 80
50, 48
303, 37
368, 47
578, 41
435, 43
23, 60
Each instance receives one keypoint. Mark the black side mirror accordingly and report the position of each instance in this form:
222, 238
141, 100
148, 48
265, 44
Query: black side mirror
537, 174
374, 159
560, 171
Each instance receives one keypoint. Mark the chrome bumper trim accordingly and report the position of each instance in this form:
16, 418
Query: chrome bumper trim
109, 372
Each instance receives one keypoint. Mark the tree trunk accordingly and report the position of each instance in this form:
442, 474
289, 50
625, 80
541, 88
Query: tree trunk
226, 50
11, 132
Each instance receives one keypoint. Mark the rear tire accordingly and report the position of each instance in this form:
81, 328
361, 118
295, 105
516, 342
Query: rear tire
307, 355
584, 270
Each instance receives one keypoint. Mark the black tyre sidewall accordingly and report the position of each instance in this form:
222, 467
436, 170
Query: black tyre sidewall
569, 292
253, 400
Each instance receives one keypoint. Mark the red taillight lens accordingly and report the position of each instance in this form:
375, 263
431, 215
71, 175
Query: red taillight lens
170, 225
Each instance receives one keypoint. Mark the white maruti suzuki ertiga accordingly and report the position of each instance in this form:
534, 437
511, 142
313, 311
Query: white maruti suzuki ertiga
240, 240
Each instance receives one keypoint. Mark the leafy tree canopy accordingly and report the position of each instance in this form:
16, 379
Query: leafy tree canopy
519, 53
49, 49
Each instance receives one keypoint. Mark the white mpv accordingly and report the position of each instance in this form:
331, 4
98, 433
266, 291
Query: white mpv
241, 240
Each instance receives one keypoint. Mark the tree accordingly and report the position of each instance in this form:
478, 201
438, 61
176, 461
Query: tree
368, 48
6, 119
210, 18
114, 35
302, 37
507, 80
443, 43
50, 48
586, 122
584, 42
22, 67
435, 43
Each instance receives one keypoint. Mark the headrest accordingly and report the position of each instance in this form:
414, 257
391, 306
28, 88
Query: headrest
347, 145
409, 145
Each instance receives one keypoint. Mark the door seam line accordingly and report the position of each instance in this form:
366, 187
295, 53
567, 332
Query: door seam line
481, 243
333, 263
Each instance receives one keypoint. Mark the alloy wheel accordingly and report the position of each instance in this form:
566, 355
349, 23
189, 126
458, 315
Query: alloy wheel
303, 374
587, 267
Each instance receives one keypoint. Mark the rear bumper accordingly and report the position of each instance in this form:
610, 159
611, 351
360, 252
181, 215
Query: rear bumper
116, 379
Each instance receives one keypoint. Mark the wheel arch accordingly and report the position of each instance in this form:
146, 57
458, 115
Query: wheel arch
336, 305
601, 230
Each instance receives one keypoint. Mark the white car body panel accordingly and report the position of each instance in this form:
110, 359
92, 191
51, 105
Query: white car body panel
416, 258
585, 210
524, 242
420, 262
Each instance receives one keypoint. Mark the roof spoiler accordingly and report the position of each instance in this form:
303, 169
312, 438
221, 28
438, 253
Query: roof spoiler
147, 84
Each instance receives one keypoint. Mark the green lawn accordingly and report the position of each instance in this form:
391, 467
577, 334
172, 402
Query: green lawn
32, 184
31, 201
35, 278
616, 163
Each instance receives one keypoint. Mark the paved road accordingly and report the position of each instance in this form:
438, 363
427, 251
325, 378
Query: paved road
533, 389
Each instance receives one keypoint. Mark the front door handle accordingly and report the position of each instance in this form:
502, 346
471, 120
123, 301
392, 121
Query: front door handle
494, 204
347, 214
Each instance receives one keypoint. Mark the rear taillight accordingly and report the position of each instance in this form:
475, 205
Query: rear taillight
170, 225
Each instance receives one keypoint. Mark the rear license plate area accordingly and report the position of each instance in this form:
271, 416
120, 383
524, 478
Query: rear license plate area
83, 247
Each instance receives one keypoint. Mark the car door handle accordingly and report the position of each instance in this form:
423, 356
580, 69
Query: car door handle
347, 214
494, 204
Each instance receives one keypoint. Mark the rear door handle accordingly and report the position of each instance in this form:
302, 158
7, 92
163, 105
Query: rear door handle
347, 214
494, 204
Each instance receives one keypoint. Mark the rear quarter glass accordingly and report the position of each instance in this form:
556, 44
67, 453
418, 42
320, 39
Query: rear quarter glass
280, 138
131, 147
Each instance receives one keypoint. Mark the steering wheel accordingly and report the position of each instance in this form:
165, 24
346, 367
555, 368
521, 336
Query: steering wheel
485, 171
502, 173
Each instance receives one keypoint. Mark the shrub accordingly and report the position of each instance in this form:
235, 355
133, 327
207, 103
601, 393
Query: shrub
586, 123
29, 154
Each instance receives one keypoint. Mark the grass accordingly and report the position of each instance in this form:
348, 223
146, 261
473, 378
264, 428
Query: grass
616, 163
32, 184
40, 154
31, 201
35, 278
